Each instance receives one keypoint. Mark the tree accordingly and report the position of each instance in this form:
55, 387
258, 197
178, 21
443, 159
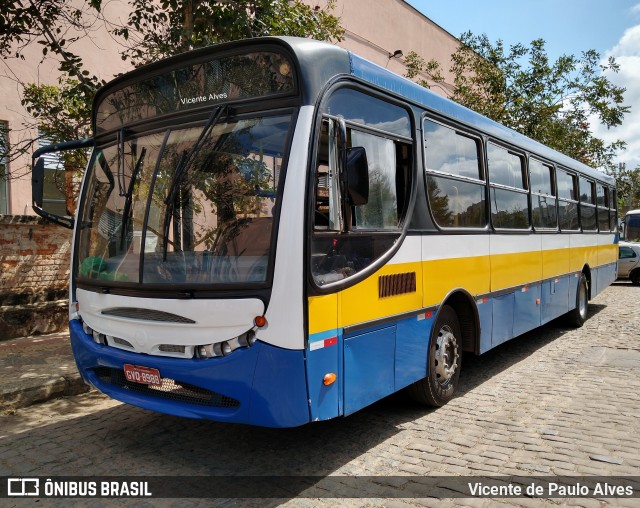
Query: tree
418, 66
627, 186
154, 30
62, 111
552, 103
159, 29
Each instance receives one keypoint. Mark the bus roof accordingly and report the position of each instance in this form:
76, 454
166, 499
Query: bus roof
374, 74
321, 62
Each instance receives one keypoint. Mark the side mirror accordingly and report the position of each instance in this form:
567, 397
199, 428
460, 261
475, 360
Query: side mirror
357, 176
51, 194
37, 184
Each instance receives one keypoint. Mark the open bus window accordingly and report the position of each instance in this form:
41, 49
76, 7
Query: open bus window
347, 238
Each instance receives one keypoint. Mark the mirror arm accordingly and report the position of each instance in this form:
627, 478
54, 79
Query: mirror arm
59, 147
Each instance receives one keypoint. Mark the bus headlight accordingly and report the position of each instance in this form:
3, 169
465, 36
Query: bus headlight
248, 339
226, 347
99, 338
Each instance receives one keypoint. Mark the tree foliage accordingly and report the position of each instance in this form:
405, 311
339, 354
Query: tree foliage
159, 29
418, 66
628, 186
154, 30
551, 102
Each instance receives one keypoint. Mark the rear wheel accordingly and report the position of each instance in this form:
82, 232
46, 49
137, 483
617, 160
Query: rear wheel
635, 277
444, 361
578, 316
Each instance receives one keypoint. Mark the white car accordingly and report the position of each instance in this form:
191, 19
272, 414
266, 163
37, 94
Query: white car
629, 261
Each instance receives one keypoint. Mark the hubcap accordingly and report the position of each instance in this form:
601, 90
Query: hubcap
446, 356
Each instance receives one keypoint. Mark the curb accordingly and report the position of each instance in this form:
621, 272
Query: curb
38, 391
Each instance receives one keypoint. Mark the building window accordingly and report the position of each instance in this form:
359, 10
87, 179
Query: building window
4, 168
54, 193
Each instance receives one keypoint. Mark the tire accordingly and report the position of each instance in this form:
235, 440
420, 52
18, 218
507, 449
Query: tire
578, 316
444, 361
635, 277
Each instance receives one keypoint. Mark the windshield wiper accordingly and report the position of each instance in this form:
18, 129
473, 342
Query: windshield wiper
126, 212
180, 170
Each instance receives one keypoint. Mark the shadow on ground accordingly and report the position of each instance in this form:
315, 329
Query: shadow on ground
125, 440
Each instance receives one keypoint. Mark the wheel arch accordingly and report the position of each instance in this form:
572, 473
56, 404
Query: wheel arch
586, 269
466, 309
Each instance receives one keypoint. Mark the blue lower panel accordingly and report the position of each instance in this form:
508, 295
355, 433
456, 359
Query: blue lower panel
412, 347
323, 357
502, 319
485, 314
555, 297
604, 276
261, 385
368, 368
526, 310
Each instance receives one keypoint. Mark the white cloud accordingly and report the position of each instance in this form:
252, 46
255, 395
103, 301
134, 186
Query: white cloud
627, 55
635, 9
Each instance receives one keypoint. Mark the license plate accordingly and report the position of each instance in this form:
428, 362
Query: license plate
142, 375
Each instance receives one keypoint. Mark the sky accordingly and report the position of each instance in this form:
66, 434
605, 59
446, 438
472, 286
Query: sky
611, 27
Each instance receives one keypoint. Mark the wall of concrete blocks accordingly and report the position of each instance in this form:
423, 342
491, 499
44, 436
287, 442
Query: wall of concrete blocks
35, 260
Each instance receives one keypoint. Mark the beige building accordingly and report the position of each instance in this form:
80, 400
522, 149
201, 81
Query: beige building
375, 29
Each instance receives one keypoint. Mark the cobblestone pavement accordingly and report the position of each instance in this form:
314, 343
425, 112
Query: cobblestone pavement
553, 402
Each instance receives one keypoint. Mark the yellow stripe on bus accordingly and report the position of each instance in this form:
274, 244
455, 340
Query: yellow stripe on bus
435, 279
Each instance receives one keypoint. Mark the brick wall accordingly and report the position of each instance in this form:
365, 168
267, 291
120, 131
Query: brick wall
34, 264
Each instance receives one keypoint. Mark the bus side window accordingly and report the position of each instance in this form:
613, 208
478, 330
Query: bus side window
509, 200
543, 201
588, 218
455, 181
567, 201
347, 238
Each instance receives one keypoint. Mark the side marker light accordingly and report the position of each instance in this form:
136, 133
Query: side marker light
260, 321
329, 379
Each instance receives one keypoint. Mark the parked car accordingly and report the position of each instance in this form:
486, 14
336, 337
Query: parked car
629, 261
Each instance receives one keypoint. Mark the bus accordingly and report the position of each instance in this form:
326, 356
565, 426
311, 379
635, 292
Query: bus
277, 231
631, 226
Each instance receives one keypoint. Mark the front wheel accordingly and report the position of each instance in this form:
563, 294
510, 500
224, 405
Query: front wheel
444, 361
578, 316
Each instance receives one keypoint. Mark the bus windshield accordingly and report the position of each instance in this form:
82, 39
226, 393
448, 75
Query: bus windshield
188, 206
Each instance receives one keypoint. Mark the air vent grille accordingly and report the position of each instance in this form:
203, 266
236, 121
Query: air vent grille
169, 390
171, 348
396, 284
122, 342
146, 315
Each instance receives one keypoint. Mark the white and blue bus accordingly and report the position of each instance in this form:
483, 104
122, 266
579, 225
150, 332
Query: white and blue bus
276, 231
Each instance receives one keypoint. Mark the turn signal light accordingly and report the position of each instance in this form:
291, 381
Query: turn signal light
329, 379
260, 321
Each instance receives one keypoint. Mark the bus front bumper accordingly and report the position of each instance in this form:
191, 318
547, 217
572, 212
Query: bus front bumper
262, 385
